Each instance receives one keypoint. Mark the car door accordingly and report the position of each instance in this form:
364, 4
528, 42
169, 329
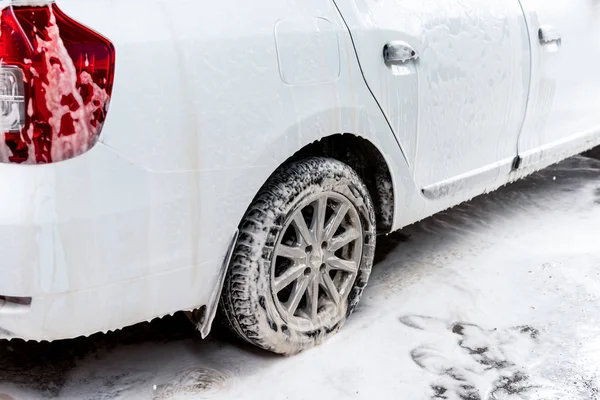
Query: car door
454, 87
564, 107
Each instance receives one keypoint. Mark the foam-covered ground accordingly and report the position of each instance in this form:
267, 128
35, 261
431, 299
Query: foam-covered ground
495, 299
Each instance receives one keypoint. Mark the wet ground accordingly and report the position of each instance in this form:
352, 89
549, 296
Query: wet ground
495, 299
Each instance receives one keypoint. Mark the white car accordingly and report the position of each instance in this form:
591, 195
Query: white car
254, 150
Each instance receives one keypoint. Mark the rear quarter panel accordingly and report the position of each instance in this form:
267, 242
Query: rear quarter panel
212, 97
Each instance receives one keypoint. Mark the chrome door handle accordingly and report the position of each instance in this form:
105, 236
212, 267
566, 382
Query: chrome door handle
398, 51
549, 35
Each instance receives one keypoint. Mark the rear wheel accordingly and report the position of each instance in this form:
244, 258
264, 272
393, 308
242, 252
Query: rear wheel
303, 257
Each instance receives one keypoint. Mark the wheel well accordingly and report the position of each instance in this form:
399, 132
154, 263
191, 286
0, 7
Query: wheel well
592, 153
369, 164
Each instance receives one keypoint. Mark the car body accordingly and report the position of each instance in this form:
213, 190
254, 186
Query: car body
210, 98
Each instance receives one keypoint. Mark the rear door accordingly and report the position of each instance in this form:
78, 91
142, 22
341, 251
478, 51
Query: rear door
564, 107
455, 87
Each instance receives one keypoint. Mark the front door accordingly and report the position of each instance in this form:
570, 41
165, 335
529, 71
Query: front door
564, 109
454, 86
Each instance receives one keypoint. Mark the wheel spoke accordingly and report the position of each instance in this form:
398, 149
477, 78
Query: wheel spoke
345, 238
289, 276
342, 265
336, 220
320, 212
302, 229
346, 284
292, 253
312, 298
297, 293
330, 288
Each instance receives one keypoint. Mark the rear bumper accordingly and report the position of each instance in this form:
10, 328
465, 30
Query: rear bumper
98, 243
82, 313
63, 225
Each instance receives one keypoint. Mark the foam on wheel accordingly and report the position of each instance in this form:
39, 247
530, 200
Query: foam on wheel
303, 257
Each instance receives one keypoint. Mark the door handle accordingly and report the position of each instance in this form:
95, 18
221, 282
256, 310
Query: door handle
548, 35
398, 51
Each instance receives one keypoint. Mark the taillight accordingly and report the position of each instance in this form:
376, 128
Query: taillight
56, 80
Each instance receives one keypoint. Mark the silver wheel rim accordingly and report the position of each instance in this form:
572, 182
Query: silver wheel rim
316, 261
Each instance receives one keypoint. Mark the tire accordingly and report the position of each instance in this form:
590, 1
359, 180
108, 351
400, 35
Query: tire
253, 304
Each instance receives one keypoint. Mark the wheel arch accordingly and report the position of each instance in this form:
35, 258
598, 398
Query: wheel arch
368, 162
359, 153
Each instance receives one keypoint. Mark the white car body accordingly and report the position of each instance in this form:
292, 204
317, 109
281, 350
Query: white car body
210, 98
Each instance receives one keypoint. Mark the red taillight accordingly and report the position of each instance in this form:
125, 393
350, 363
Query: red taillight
56, 80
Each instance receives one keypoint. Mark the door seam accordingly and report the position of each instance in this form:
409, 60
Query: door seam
517, 163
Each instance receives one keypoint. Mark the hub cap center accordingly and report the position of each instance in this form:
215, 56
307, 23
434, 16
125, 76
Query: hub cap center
316, 258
